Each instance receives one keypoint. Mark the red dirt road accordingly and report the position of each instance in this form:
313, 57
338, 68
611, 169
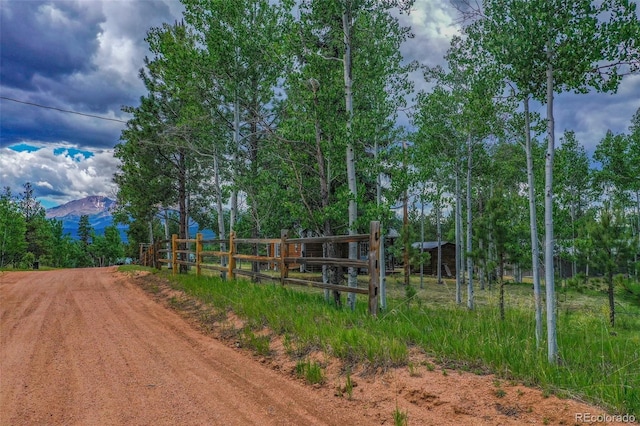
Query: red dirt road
90, 347
86, 347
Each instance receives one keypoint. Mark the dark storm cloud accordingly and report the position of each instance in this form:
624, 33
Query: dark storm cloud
52, 126
592, 115
81, 56
51, 39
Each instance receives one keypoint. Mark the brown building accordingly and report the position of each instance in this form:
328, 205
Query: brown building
448, 257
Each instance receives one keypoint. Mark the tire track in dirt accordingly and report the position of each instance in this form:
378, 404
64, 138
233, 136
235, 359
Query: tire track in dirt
84, 347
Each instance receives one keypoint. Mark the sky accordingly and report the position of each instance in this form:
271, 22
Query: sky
84, 56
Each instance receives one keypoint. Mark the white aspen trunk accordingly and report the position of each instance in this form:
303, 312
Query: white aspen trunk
187, 201
482, 267
236, 140
220, 212
383, 264
574, 263
325, 275
351, 162
552, 343
439, 237
218, 189
492, 251
638, 230
421, 243
167, 237
533, 224
458, 226
469, 227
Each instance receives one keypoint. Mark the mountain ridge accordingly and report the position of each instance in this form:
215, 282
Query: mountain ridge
97, 207
91, 206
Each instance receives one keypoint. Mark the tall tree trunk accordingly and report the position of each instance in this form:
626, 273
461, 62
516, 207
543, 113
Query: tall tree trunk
552, 343
182, 203
219, 210
482, 267
167, 236
382, 260
574, 262
405, 224
533, 224
469, 226
234, 157
254, 170
328, 249
421, 241
612, 305
351, 161
637, 231
458, 229
439, 237
405, 238
501, 284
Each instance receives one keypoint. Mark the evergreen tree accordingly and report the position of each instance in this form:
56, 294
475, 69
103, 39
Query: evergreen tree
13, 228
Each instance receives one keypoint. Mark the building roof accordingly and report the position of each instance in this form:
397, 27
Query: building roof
392, 233
429, 245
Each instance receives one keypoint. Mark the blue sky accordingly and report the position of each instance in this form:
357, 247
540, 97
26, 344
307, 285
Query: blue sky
85, 56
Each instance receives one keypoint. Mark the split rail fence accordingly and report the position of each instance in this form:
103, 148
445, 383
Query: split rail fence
191, 252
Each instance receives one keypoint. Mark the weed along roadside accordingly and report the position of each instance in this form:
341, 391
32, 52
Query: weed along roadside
421, 334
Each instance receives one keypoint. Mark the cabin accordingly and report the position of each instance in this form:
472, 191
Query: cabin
448, 257
342, 251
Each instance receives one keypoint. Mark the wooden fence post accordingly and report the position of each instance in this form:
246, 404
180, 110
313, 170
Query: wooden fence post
284, 252
156, 254
374, 266
198, 253
174, 255
232, 260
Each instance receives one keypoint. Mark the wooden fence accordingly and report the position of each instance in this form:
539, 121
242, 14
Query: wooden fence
191, 252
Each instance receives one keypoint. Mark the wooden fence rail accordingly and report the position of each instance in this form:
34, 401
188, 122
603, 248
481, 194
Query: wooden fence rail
190, 252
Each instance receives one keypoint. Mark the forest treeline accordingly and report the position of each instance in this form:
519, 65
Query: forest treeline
28, 239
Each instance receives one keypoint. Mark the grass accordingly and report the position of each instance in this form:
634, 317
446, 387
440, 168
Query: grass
309, 370
258, 344
400, 418
597, 364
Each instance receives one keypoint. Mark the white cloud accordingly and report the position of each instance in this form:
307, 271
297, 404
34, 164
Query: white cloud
44, 185
59, 178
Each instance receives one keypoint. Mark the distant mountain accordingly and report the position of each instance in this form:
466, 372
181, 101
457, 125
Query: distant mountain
92, 206
97, 207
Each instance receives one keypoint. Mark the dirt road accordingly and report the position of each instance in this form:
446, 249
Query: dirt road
89, 347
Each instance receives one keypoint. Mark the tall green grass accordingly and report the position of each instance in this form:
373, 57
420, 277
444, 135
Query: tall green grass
598, 364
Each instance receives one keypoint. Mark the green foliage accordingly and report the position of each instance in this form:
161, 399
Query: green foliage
628, 289
27, 260
12, 231
400, 418
49, 245
107, 248
84, 229
309, 370
259, 344
38, 231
